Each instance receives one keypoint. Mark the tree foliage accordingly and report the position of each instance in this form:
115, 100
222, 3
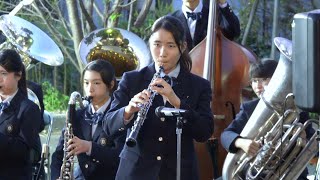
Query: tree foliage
67, 22
53, 99
259, 39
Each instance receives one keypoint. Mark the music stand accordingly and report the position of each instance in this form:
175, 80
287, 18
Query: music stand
161, 112
179, 132
317, 175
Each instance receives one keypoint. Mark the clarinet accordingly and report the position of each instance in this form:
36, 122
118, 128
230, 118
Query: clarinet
67, 166
131, 140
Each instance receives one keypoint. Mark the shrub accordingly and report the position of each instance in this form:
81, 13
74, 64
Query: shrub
53, 99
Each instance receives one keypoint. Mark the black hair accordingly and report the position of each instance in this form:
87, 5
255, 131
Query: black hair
176, 28
106, 71
11, 61
263, 69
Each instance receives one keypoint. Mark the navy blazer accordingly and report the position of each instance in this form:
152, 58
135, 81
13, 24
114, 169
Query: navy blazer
104, 159
234, 129
228, 22
37, 89
155, 152
19, 128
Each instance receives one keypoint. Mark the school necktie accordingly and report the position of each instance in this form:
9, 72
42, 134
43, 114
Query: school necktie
93, 118
3, 106
194, 16
168, 79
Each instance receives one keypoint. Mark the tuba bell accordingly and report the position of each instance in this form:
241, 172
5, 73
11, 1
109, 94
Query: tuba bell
29, 41
32, 44
275, 122
123, 49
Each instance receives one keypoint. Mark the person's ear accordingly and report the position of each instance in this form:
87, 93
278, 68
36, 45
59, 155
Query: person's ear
183, 47
112, 85
18, 75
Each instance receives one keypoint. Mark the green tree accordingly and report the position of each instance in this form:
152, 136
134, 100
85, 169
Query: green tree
53, 99
259, 38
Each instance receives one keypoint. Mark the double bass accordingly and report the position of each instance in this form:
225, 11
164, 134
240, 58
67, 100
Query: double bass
225, 64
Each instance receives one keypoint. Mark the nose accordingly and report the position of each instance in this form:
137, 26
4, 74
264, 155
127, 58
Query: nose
260, 86
89, 87
162, 51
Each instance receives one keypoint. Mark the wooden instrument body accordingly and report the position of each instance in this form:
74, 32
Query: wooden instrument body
229, 74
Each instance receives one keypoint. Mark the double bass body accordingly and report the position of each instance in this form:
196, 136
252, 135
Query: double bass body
225, 64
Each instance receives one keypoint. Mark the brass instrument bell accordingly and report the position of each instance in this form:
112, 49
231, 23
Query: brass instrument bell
123, 49
32, 43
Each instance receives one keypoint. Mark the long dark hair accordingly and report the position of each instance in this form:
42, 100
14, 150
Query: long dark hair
11, 61
106, 71
176, 28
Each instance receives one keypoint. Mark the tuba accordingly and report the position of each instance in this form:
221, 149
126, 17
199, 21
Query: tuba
275, 122
123, 49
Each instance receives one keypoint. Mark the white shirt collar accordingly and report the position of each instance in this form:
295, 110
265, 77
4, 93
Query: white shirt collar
102, 108
174, 73
196, 10
10, 97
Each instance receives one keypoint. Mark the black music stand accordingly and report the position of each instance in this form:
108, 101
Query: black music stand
179, 114
317, 175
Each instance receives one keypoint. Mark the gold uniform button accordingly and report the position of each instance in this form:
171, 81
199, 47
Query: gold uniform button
162, 119
93, 160
103, 141
160, 139
86, 165
158, 158
9, 128
97, 161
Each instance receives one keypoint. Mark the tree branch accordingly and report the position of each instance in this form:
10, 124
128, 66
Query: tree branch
76, 29
143, 13
61, 43
99, 13
87, 17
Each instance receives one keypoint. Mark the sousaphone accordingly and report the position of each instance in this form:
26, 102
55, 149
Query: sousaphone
29, 41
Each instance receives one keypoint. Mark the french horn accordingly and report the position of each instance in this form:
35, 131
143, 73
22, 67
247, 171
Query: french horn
123, 49
285, 151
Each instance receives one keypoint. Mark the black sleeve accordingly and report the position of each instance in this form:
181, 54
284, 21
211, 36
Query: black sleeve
37, 89
229, 22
